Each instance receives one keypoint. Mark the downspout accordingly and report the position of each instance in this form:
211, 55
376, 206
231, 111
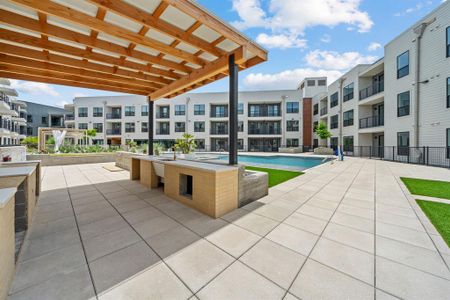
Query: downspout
419, 30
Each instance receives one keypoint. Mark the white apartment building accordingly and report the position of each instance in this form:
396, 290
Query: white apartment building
401, 100
267, 119
13, 124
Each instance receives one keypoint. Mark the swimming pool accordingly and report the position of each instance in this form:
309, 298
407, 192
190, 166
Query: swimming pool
279, 161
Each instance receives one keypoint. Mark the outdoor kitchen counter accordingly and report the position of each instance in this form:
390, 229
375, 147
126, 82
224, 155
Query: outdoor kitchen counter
209, 188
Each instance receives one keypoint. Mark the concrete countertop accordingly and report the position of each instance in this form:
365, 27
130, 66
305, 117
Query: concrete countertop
17, 171
6, 195
210, 167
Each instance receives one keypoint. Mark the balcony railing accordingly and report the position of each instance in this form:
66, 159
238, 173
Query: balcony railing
116, 131
323, 111
5, 98
69, 118
257, 131
163, 131
114, 116
219, 130
373, 121
162, 115
214, 114
371, 90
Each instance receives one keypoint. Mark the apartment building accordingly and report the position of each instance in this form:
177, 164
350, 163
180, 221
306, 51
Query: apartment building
401, 100
40, 115
12, 115
267, 119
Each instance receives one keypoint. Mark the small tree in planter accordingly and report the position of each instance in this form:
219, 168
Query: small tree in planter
323, 133
186, 144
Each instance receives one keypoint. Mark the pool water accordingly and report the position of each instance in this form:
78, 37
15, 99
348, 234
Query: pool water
279, 161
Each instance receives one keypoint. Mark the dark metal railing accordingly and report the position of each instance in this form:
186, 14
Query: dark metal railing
369, 122
323, 111
113, 131
162, 115
214, 114
113, 116
264, 131
163, 131
371, 90
219, 130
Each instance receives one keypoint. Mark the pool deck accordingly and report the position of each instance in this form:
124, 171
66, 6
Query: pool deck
344, 230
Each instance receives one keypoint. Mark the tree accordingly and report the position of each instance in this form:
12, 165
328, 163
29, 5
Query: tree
186, 144
91, 133
31, 142
322, 131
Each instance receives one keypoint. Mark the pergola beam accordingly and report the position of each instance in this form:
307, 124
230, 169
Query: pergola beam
14, 19
137, 15
85, 20
56, 80
214, 68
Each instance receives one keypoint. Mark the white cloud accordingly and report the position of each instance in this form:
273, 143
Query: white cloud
414, 8
288, 79
331, 60
79, 95
61, 103
250, 12
34, 88
280, 41
374, 46
326, 38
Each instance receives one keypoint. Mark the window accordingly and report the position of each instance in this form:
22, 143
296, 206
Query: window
240, 144
163, 112
292, 143
334, 122
130, 127
316, 109
334, 141
200, 144
98, 112
292, 107
448, 142
199, 126
348, 118
44, 120
83, 126
448, 92
334, 99
144, 127
348, 143
322, 82
240, 126
219, 111
144, 110
403, 143
315, 124
311, 83
403, 100
129, 111
180, 110
240, 108
29, 130
448, 41
82, 112
199, 109
292, 126
348, 92
29, 119
179, 127
97, 142
273, 110
98, 127
403, 64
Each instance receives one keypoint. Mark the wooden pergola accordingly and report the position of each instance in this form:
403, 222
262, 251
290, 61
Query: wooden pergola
156, 48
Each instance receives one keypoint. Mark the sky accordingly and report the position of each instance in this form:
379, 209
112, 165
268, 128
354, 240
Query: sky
304, 38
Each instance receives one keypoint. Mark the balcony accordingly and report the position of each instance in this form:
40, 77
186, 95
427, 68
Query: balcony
162, 115
223, 114
219, 131
116, 131
113, 116
69, 118
370, 122
323, 111
162, 131
371, 90
262, 131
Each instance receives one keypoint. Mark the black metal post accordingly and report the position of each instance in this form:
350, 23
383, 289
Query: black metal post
233, 110
150, 126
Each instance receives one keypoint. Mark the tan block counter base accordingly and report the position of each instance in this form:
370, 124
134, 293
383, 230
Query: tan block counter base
209, 188
7, 240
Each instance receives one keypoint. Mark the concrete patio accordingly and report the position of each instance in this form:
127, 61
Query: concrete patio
347, 230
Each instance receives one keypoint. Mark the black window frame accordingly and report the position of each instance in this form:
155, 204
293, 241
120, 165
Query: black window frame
290, 126
316, 109
349, 92
403, 150
448, 142
292, 107
289, 143
346, 118
447, 34
196, 128
403, 110
448, 92
144, 111
334, 125
334, 99
199, 109
96, 127
310, 82
402, 69
130, 111
179, 111
82, 114
348, 147
144, 127
44, 120
130, 127
240, 108
97, 114
177, 128
79, 127
321, 82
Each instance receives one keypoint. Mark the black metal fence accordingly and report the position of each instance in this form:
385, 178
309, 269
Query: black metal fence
429, 156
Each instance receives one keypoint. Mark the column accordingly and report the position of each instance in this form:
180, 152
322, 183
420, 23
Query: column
150, 126
233, 110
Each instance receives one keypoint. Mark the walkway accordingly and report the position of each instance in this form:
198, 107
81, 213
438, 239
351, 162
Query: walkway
342, 231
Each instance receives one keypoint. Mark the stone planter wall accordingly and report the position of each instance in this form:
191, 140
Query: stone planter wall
85, 158
123, 159
323, 151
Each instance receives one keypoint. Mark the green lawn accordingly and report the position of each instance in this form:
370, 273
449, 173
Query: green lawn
276, 176
430, 188
439, 215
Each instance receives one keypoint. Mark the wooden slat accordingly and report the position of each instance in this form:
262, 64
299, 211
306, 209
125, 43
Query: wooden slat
55, 80
214, 68
192, 9
62, 48
63, 12
72, 36
137, 15
64, 76
29, 63
71, 62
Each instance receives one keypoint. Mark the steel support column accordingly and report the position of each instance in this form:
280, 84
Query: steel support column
233, 110
150, 126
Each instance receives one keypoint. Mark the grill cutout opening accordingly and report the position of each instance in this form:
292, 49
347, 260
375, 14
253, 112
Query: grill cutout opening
186, 186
